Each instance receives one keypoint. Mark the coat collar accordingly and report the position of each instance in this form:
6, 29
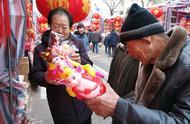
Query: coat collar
151, 86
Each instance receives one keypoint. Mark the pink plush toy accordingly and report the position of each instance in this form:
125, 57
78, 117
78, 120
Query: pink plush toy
81, 81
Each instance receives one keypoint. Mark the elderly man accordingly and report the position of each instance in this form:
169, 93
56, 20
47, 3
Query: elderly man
162, 91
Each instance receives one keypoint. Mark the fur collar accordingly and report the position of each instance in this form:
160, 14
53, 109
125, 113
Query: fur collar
151, 86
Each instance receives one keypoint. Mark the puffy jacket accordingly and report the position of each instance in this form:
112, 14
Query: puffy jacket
64, 108
166, 97
84, 39
113, 39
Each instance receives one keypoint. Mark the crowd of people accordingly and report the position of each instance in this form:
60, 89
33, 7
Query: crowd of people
94, 40
148, 82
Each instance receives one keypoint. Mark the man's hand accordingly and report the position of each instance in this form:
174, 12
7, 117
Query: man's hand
105, 104
75, 57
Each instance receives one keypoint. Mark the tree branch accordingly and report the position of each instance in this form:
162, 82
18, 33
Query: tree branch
119, 2
106, 2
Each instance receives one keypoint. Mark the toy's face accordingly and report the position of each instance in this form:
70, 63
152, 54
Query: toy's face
56, 60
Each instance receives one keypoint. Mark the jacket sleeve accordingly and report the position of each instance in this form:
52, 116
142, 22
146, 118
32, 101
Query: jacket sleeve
39, 69
83, 54
130, 113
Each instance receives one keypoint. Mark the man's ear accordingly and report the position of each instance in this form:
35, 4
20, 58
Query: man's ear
147, 39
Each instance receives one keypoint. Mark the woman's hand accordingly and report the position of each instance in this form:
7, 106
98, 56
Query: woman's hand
49, 81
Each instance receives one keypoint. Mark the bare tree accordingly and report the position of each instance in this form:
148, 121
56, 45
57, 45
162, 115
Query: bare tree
142, 1
113, 4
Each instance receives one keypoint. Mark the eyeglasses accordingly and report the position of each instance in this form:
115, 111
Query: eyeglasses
57, 27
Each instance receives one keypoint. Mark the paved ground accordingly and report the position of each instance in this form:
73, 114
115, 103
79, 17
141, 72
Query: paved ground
38, 108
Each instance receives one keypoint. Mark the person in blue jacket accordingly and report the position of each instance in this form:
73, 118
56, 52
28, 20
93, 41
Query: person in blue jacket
162, 91
80, 34
112, 41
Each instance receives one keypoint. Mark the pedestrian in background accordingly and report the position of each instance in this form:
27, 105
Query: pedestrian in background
112, 41
80, 34
96, 38
106, 42
89, 35
162, 91
64, 108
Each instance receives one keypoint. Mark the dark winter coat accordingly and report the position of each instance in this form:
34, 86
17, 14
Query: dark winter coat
96, 37
106, 41
123, 72
89, 35
84, 39
113, 39
64, 108
162, 92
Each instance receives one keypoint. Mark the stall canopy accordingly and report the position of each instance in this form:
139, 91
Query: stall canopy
12, 35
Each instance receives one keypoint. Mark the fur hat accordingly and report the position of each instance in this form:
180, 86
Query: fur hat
139, 23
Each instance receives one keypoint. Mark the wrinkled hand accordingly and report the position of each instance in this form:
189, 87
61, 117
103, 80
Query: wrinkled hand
50, 82
75, 57
105, 104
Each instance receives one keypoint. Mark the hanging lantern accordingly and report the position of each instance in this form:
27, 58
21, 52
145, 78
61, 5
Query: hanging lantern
96, 16
95, 26
118, 19
157, 12
118, 28
79, 9
96, 21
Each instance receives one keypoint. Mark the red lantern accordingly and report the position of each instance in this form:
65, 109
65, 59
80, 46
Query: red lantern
96, 21
157, 12
118, 19
94, 26
96, 16
117, 28
79, 9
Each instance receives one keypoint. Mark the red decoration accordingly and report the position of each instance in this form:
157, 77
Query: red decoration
157, 12
118, 19
79, 9
42, 19
30, 33
43, 27
96, 16
96, 21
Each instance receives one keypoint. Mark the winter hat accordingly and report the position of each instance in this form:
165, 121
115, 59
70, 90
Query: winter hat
139, 23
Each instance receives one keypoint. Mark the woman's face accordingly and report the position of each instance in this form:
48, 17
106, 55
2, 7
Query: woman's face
81, 30
60, 24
